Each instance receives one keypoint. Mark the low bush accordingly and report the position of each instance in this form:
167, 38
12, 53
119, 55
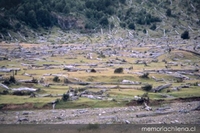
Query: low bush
145, 75
22, 93
10, 80
185, 35
144, 98
147, 87
56, 79
119, 70
65, 97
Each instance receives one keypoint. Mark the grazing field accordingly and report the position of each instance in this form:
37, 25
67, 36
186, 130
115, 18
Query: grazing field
89, 71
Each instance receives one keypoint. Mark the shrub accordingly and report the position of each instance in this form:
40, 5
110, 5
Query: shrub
119, 70
195, 84
56, 79
101, 55
168, 90
104, 21
131, 26
147, 87
34, 80
145, 75
65, 97
185, 35
67, 81
144, 98
93, 71
22, 93
155, 19
9, 81
153, 27
123, 25
4, 92
12, 79
130, 68
168, 12
6, 82
145, 31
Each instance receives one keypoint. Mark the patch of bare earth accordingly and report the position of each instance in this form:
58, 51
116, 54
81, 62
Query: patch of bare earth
176, 112
17, 106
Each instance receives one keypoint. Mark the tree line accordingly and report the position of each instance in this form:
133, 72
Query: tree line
38, 13
96, 14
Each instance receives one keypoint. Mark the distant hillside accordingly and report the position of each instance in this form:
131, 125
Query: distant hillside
20, 17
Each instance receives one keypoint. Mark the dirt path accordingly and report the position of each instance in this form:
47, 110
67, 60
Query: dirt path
179, 112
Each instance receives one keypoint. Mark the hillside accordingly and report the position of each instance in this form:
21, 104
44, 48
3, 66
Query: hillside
23, 20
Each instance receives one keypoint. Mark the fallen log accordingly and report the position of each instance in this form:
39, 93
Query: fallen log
29, 81
161, 87
146, 107
130, 82
4, 86
24, 89
153, 114
180, 75
22, 119
45, 95
157, 80
190, 51
173, 70
196, 109
163, 108
9, 69
81, 83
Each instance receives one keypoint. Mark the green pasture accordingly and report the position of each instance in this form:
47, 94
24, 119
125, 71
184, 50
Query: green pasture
119, 95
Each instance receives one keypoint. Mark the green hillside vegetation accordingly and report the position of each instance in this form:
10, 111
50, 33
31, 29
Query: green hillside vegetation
93, 15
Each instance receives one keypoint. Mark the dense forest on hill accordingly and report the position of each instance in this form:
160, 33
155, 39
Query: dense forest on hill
44, 12
90, 15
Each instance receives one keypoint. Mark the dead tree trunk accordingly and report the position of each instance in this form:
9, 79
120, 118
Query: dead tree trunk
153, 114
161, 87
